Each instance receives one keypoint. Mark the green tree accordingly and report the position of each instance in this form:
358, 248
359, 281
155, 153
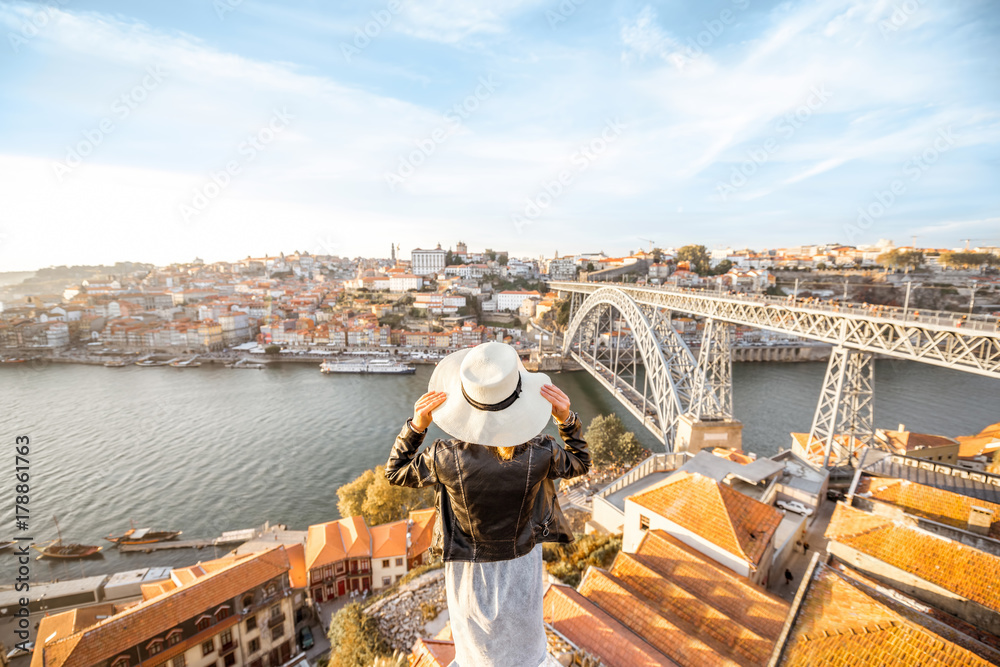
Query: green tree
562, 314
385, 503
961, 260
697, 258
590, 267
503, 260
610, 444
352, 495
722, 267
895, 259
355, 638
272, 349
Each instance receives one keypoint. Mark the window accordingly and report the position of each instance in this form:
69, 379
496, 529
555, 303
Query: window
208, 647
122, 661
221, 613
175, 637
252, 623
399, 562
643, 522
275, 610
398, 577
203, 623
226, 638
247, 600
179, 661
155, 646
340, 567
385, 563
254, 645
230, 660
277, 631
365, 565
386, 581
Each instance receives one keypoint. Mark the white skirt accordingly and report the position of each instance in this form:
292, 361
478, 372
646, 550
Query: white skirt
495, 610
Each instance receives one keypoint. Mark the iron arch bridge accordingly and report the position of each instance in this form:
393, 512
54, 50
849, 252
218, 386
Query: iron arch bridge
625, 337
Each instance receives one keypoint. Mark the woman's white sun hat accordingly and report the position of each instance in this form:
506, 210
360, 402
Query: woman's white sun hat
492, 400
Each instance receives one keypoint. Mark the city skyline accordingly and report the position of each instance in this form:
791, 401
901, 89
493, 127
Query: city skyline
159, 134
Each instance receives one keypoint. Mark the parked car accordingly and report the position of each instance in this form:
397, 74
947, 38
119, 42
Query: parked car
794, 506
305, 638
835, 495
16, 652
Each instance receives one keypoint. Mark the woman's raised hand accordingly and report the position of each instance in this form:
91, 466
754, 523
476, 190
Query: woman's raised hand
559, 401
424, 406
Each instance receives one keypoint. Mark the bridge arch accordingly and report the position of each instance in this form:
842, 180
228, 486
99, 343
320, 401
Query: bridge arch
670, 371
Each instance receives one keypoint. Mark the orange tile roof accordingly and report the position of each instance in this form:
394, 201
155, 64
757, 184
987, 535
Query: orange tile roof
734, 596
422, 531
336, 540
840, 624
927, 501
590, 628
152, 617
389, 539
963, 570
432, 653
716, 512
686, 649
298, 575
906, 441
974, 445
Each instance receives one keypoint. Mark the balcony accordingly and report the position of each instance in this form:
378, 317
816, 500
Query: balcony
276, 620
228, 648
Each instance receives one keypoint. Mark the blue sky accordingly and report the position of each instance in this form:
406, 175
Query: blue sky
162, 131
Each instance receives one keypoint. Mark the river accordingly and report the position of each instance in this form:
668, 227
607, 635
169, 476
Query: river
210, 449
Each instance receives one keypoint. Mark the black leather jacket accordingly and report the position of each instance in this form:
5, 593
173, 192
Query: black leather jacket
492, 510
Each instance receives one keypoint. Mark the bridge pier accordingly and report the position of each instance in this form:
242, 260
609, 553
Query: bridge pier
844, 421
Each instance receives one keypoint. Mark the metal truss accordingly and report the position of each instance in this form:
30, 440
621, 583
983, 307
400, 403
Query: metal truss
936, 341
844, 422
637, 355
714, 384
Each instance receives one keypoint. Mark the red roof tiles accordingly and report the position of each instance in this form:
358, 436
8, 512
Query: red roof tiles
587, 626
963, 570
839, 623
716, 512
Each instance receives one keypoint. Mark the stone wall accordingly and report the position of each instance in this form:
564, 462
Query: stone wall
400, 615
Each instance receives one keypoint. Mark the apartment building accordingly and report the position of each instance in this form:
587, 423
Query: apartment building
235, 611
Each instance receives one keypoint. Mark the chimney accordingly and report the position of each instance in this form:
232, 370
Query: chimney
901, 428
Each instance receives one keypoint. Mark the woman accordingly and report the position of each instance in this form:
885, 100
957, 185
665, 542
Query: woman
496, 498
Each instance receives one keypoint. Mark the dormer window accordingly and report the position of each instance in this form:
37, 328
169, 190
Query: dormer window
154, 646
175, 636
247, 600
222, 612
120, 661
203, 622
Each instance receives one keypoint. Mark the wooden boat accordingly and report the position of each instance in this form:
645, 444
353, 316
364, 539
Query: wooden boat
143, 536
56, 548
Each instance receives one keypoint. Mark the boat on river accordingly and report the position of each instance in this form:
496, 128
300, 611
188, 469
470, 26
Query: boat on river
58, 549
143, 536
375, 366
